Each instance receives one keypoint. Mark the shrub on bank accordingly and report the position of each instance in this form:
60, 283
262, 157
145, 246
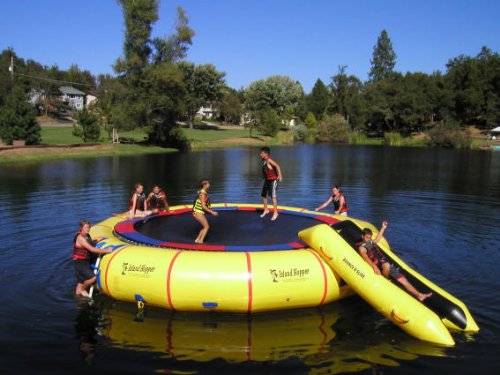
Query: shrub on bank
393, 139
88, 127
300, 133
333, 128
449, 134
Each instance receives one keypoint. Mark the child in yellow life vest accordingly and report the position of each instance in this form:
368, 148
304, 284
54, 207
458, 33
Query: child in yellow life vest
201, 205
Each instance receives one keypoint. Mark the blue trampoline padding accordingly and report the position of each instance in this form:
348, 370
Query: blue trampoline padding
236, 228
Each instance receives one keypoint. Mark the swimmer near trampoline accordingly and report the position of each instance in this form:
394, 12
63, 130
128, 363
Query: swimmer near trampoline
250, 264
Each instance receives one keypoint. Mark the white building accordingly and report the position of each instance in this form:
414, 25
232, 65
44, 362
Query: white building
206, 112
73, 97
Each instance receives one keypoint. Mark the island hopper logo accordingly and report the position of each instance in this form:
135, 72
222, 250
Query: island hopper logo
291, 274
137, 270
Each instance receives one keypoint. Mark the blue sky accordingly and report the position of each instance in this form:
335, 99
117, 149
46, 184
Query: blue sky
254, 39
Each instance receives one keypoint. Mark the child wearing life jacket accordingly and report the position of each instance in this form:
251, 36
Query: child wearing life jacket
201, 205
83, 247
374, 257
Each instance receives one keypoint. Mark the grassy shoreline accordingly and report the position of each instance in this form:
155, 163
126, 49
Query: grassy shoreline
59, 143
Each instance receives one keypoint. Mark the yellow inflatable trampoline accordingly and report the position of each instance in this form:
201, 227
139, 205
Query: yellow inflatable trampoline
251, 264
247, 264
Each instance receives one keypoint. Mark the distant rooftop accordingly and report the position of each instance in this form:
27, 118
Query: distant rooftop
70, 90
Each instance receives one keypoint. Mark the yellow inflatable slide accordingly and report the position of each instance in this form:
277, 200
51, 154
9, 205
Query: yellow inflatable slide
426, 320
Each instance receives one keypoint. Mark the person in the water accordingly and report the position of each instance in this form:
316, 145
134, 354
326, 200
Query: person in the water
83, 247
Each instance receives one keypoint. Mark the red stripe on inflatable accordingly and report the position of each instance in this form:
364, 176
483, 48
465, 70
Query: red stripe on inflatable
246, 208
326, 219
325, 279
125, 227
296, 245
181, 211
193, 246
169, 274
113, 255
250, 290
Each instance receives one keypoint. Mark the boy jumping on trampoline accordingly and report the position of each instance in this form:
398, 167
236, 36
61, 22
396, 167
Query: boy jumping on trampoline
271, 171
375, 258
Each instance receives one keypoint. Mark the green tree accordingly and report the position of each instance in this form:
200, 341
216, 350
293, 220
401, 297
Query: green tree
231, 107
173, 48
88, 127
279, 93
310, 121
489, 67
317, 101
384, 58
139, 17
204, 84
463, 78
81, 78
154, 86
111, 92
346, 98
268, 121
380, 97
18, 119
163, 108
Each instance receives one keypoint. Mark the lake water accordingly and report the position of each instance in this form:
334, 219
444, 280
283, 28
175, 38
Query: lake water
443, 209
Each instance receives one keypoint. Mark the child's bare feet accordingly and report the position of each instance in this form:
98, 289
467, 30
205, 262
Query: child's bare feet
275, 216
84, 294
423, 296
264, 213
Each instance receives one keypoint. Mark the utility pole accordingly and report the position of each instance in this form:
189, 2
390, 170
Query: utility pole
11, 67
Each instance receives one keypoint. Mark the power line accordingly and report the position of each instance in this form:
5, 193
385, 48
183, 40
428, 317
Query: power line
53, 80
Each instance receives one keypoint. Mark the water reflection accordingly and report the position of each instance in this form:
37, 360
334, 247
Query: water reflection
321, 338
87, 325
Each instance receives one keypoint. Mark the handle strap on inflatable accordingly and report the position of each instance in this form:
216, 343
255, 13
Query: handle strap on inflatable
324, 254
397, 319
91, 291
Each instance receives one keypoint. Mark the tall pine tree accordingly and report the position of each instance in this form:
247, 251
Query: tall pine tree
384, 58
318, 99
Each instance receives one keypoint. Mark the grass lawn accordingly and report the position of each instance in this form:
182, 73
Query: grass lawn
210, 135
59, 135
26, 155
63, 135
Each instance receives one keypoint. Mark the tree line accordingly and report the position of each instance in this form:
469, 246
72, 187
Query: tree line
155, 88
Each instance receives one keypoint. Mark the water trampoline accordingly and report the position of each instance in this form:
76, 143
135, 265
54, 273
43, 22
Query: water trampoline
251, 264
247, 263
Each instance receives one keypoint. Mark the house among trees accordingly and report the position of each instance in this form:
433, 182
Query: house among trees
73, 97
207, 111
35, 96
